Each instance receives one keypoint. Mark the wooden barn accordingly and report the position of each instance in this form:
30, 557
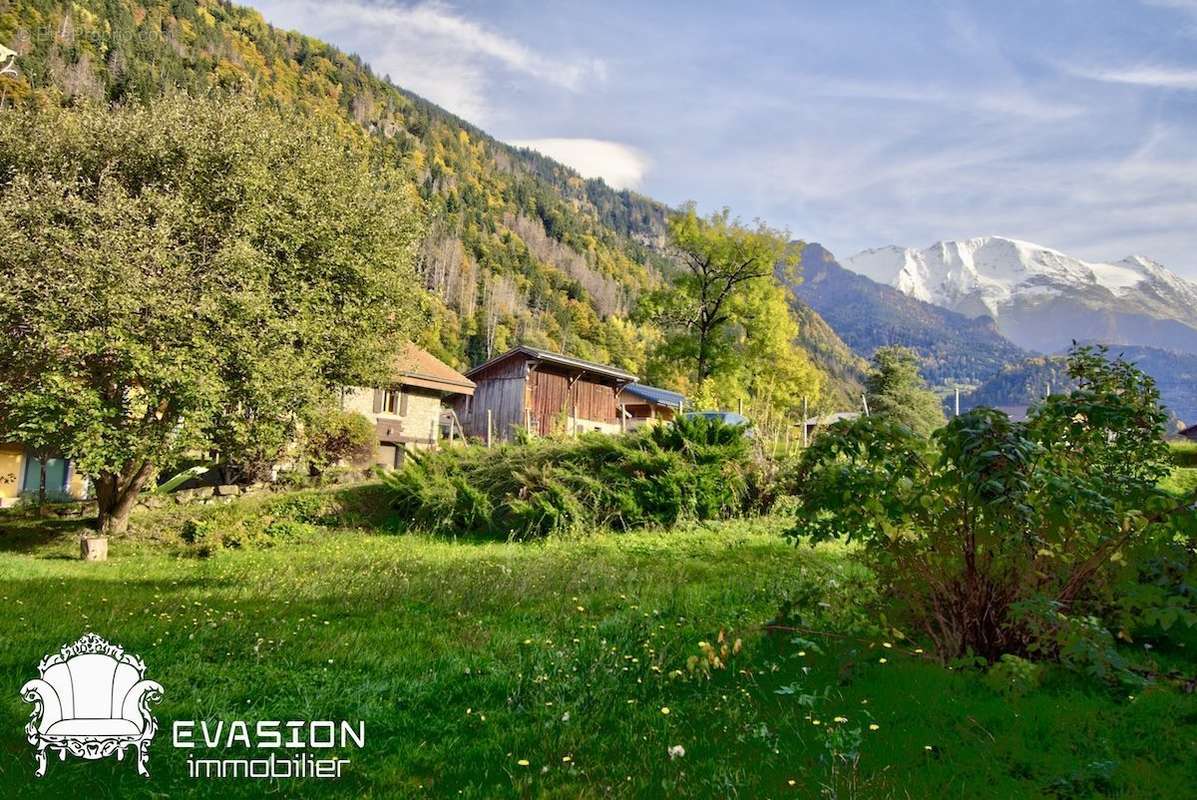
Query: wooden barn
544, 392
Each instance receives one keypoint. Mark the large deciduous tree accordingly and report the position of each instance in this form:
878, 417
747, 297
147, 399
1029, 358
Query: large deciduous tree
192, 274
727, 327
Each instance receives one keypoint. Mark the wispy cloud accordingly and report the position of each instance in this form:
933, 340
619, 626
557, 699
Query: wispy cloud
1159, 77
618, 164
433, 50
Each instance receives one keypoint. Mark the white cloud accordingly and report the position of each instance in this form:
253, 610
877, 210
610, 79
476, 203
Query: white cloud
1144, 75
618, 164
431, 49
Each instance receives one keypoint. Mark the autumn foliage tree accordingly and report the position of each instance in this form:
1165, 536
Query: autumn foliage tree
727, 330
192, 274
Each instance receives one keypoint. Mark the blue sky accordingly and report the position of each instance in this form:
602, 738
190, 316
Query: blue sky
1072, 123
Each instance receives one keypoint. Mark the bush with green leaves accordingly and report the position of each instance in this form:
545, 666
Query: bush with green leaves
690, 469
994, 536
332, 436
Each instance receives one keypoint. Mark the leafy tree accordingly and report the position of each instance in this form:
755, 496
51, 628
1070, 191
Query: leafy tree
190, 274
720, 260
895, 390
727, 328
999, 537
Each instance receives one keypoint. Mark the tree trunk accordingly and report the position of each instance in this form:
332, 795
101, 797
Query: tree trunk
116, 494
41, 487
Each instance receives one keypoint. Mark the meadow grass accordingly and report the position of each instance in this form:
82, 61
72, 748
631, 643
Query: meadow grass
559, 668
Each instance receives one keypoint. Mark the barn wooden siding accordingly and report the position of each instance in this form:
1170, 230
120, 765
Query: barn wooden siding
511, 386
501, 389
554, 400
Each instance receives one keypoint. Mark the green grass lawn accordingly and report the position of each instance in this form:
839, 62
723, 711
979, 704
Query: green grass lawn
467, 660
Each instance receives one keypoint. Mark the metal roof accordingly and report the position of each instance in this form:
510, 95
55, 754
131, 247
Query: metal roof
560, 359
652, 394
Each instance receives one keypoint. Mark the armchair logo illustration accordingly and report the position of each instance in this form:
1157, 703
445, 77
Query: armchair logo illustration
92, 700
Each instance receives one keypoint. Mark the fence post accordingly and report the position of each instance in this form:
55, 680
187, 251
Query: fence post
489, 427
432, 437
804, 419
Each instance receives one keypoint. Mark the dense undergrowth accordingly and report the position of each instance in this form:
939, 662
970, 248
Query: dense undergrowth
693, 469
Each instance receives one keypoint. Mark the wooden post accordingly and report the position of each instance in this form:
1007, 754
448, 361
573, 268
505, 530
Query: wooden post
623, 418
740, 406
489, 427
432, 437
957, 401
805, 412
864, 401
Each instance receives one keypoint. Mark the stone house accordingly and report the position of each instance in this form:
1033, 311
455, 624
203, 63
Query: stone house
407, 412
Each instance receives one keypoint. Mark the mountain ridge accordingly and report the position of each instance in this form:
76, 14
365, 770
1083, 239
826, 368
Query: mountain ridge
954, 349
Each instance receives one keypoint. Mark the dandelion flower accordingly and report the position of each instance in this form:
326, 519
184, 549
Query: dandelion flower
928, 748
881, 661
873, 726
566, 759
523, 762
841, 720
665, 710
792, 782
676, 751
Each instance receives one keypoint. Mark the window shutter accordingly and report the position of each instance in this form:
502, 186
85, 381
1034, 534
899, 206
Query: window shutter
378, 400
402, 404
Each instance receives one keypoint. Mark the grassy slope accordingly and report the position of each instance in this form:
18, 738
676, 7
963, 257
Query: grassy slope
465, 658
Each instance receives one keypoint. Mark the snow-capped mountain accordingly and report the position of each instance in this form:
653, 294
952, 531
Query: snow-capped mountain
1040, 298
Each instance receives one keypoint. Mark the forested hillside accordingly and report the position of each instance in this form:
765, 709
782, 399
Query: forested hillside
519, 247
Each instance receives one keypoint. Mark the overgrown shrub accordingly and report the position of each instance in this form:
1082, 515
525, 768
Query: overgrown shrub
333, 436
693, 468
998, 537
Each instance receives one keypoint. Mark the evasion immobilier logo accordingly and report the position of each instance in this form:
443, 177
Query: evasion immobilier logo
91, 701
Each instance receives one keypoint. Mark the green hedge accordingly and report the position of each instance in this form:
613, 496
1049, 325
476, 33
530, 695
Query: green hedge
692, 469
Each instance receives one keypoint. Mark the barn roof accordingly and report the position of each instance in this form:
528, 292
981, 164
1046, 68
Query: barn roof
417, 367
559, 359
652, 394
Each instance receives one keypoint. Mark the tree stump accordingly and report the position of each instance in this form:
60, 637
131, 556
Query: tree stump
93, 548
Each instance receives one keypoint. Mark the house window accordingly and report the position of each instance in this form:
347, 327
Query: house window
394, 402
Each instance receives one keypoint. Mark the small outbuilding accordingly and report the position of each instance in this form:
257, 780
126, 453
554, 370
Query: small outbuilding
645, 405
1189, 433
542, 392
